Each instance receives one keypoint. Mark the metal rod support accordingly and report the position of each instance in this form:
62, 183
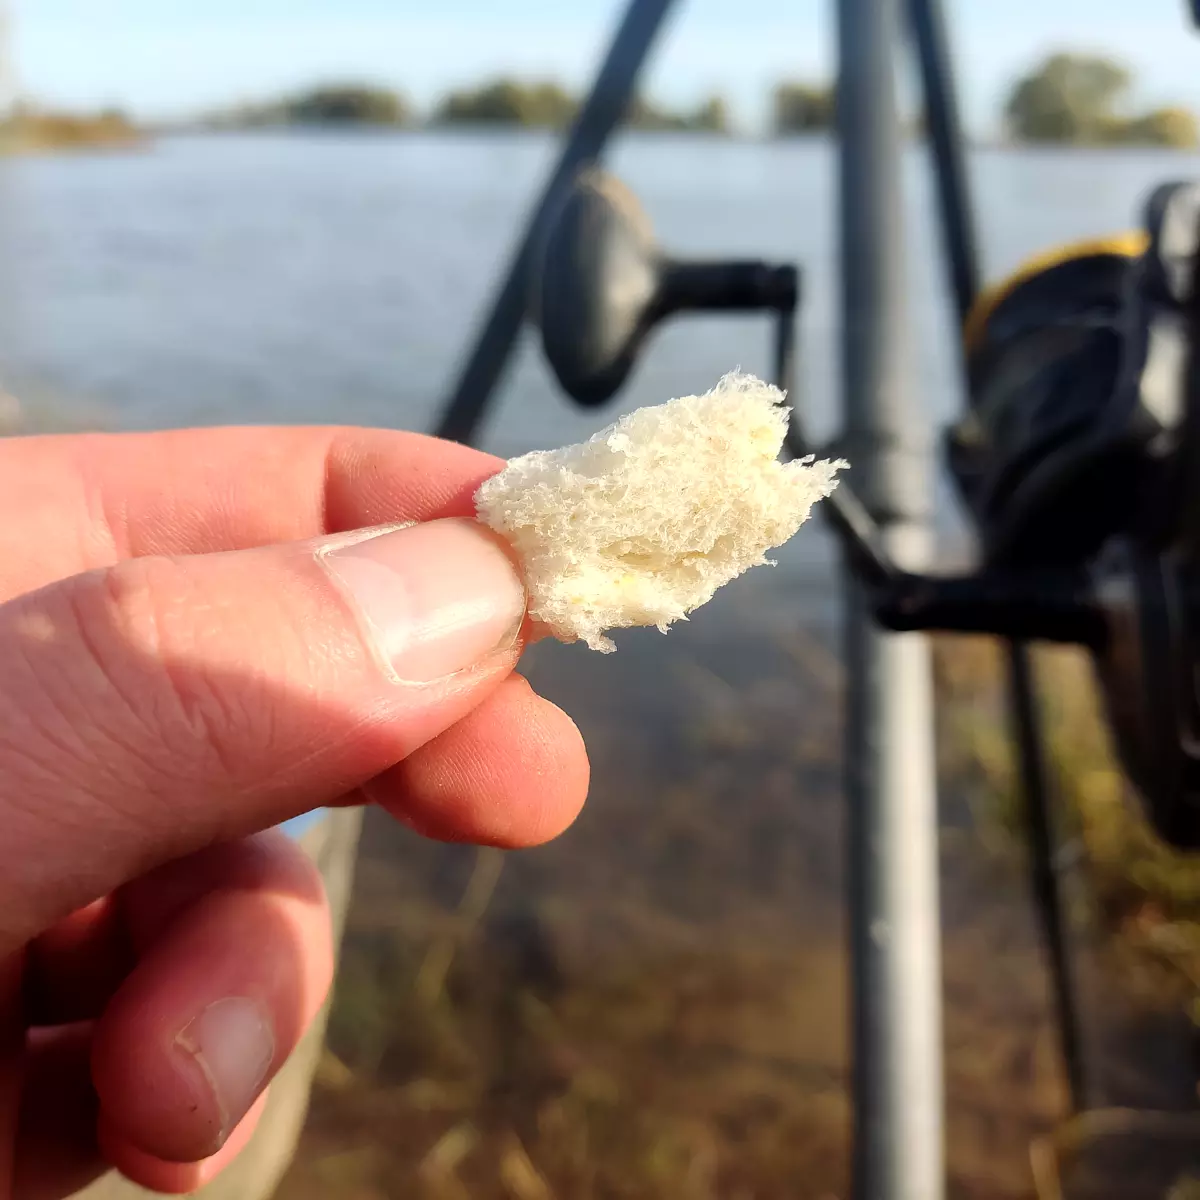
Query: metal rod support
843, 510
960, 246
785, 354
860, 537
1034, 775
890, 781
943, 127
601, 113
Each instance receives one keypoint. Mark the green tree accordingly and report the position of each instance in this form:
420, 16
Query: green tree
1175, 127
802, 108
1076, 98
345, 104
509, 102
645, 114
1068, 98
349, 104
712, 116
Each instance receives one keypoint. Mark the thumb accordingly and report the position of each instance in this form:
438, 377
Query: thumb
161, 704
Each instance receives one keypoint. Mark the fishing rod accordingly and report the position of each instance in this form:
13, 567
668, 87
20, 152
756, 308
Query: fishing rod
605, 107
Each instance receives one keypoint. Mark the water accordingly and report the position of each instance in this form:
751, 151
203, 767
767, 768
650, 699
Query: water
318, 279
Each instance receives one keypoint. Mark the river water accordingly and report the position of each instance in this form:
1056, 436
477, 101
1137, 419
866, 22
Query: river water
312, 279
654, 1006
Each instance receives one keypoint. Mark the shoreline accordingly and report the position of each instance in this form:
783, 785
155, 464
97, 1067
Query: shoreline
484, 130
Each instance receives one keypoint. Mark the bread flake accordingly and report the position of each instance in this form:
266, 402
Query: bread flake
643, 522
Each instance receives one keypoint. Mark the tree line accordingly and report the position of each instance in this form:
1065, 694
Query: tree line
1085, 100
534, 105
1067, 98
1071, 99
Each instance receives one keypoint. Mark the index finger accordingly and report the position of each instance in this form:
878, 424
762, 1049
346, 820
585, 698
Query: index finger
90, 500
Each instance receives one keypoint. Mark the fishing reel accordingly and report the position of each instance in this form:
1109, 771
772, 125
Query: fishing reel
605, 285
1078, 458
1079, 461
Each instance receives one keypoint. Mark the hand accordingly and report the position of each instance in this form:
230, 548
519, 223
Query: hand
188, 658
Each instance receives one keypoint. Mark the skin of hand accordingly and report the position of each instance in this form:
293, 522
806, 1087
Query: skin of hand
202, 634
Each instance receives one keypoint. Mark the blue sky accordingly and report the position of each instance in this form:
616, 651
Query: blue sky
171, 57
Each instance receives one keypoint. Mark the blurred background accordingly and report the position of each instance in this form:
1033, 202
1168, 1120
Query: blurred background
296, 211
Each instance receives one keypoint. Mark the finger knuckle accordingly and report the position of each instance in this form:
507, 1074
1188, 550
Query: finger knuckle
143, 624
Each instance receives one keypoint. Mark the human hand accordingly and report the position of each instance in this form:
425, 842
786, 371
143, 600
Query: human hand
188, 658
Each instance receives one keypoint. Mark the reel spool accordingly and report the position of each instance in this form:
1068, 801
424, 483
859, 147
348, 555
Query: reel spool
1080, 464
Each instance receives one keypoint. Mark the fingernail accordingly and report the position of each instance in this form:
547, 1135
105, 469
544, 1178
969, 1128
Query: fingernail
233, 1043
434, 598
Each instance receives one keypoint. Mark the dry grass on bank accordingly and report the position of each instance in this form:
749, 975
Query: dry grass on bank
41, 132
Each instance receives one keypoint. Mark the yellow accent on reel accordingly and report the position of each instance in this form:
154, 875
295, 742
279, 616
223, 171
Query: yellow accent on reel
1123, 245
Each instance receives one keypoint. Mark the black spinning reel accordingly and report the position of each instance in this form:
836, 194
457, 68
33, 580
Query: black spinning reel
1080, 463
605, 285
1079, 457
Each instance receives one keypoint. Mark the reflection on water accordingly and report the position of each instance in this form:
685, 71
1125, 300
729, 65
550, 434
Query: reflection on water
655, 1006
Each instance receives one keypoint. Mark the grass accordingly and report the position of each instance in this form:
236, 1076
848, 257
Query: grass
1134, 905
31, 131
1142, 895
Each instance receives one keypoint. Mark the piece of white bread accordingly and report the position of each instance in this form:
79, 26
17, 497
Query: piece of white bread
643, 522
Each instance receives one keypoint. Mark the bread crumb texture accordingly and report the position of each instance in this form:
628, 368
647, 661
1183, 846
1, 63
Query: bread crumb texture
643, 522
